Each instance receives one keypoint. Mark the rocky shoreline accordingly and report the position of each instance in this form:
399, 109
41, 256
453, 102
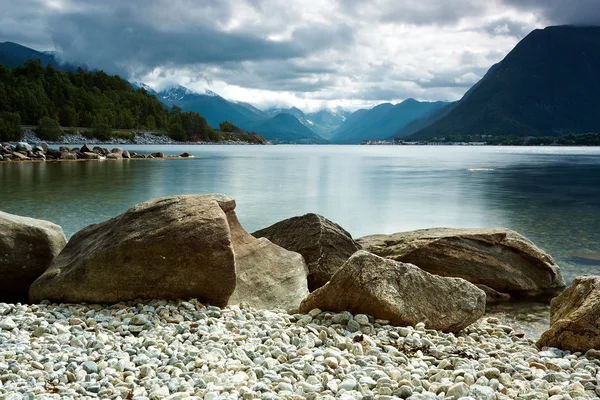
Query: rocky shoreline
24, 152
140, 138
185, 350
174, 299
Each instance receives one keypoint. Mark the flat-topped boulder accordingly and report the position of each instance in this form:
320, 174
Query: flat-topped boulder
575, 317
175, 247
399, 292
27, 248
498, 258
324, 244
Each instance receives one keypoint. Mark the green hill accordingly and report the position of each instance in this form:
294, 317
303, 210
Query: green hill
95, 100
547, 85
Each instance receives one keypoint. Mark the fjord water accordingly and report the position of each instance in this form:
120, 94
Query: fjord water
549, 194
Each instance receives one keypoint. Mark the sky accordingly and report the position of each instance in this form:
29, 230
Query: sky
280, 53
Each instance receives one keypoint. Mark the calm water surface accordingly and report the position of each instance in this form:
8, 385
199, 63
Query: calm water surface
551, 195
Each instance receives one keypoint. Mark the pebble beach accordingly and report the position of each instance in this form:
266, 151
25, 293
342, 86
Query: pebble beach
186, 350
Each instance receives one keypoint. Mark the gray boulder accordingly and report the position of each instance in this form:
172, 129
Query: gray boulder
90, 155
22, 146
169, 248
575, 317
324, 244
18, 156
499, 258
126, 154
401, 293
268, 276
65, 155
27, 248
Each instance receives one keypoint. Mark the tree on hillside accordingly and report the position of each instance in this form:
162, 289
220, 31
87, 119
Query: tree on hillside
101, 129
10, 127
48, 129
227, 126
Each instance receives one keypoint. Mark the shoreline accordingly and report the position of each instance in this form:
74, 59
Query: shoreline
187, 350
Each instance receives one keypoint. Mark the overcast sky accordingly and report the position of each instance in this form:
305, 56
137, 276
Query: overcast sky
307, 53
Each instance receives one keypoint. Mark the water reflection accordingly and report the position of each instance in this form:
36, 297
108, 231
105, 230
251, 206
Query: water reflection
551, 195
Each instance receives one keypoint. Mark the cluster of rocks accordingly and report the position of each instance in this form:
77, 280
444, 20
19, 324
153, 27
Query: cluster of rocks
156, 350
77, 138
141, 138
193, 247
25, 152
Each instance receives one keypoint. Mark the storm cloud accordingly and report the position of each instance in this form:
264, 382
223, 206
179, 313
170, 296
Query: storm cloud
351, 53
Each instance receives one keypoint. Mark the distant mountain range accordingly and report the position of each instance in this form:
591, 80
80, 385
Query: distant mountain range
382, 121
547, 85
280, 125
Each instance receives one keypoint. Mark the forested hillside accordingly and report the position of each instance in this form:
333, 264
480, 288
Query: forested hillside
32, 93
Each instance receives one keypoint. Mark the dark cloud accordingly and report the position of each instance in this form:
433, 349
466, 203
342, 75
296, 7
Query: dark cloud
376, 50
506, 27
122, 37
572, 12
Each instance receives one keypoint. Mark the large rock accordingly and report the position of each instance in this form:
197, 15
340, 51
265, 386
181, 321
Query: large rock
401, 293
324, 244
498, 258
27, 248
575, 317
65, 155
23, 146
170, 248
268, 276
19, 156
88, 155
175, 248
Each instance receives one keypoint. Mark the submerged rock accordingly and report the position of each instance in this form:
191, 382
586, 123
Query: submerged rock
400, 293
575, 317
324, 244
500, 259
27, 248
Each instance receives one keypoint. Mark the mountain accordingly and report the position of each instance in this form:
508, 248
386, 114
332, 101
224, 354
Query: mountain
212, 106
296, 112
286, 128
291, 128
382, 121
547, 85
424, 122
13, 55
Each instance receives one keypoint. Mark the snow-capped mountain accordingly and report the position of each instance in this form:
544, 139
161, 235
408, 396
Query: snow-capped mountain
141, 85
180, 93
